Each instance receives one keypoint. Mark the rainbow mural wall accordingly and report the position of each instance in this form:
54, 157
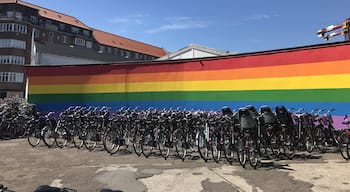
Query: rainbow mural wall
310, 77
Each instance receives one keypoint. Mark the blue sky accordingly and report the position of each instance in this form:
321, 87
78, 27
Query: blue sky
228, 25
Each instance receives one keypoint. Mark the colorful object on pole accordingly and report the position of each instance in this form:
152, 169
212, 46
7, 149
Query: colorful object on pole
345, 30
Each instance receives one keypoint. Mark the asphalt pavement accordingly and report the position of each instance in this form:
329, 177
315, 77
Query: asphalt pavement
23, 168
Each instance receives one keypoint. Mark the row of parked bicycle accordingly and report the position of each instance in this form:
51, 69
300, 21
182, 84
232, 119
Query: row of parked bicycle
244, 136
14, 113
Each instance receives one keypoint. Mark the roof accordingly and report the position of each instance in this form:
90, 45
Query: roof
200, 60
190, 47
128, 44
50, 14
74, 52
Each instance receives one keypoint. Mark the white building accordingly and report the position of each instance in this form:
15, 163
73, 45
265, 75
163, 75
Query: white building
194, 51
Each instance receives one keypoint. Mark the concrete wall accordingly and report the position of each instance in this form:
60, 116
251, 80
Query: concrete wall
306, 77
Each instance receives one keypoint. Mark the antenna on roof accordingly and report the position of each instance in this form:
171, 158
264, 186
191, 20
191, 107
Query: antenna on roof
344, 30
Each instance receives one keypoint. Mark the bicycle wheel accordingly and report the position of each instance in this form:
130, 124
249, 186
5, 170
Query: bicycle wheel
34, 136
62, 137
276, 145
147, 143
18, 130
288, 146
111, 142
215, 148
90, 139
253, 154
203, 146
344, 145
309, 141
78, 139
241, 153
164, 144
180, 144
137, 142
229, 149
321, 140
48, 135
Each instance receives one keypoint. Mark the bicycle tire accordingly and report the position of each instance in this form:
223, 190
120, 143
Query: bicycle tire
61, 138
203, 146
48, 136
321, 140
164, 144
180, 142
276, 146
215, 148
90, 140
34, 137
147, 144
241, 153
78, 139
137, 142
253, 155
288, 146
344, 146
309, 141
111, 142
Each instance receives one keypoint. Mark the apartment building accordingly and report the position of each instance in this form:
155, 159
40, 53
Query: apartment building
33, 35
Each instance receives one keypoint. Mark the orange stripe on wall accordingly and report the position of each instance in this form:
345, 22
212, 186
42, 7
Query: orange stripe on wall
305, 69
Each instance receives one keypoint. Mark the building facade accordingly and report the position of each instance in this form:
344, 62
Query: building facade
33, 35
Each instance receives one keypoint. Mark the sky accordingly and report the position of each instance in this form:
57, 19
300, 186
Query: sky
227, 25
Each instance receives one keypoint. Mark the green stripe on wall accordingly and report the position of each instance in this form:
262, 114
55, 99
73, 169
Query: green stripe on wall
319, 95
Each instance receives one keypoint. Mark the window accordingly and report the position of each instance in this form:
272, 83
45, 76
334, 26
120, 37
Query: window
19, 16
10, 14
74, 30
51, 34
128, 54
102, 49
64, 39
136, 55
13, 27
86, 33
36, 33
116, 51
34, 19
121, 53
88, 44
11, 59
62, 26
109, 50
12, 77
12, 43
80, 42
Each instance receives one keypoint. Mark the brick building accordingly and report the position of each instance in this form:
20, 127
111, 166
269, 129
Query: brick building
33, 35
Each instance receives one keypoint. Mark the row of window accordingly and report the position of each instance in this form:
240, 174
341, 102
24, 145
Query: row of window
15, 14
11, 59
11, 77
124, 53
12, 43
64, 39
13, 27
79, 41
49, 23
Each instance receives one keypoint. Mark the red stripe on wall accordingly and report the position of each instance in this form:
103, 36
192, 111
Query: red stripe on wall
273, 58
